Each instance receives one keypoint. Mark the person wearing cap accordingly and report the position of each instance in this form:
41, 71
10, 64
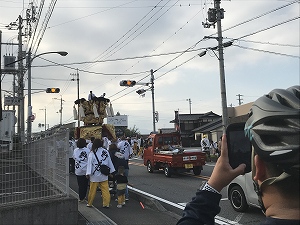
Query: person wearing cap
273, 129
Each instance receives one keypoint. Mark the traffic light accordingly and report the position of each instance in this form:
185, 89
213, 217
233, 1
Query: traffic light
127, 83
141, 91
52, 90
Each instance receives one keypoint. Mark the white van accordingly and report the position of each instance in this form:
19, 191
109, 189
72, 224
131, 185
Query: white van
241, 193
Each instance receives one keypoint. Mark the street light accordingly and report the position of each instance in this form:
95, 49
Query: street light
29, 61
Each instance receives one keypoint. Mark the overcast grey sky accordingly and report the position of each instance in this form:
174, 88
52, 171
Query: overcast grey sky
109, 41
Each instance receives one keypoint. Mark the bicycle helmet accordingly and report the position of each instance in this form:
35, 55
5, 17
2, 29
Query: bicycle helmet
274, 131
273, 127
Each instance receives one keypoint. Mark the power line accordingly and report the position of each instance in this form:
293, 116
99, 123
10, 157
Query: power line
91, 72
122, 59
107, 51
266, 43
261, 15
139, 33
83, 17
267, 28
265, 51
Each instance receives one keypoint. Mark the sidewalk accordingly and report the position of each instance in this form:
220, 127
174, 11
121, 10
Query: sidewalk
139, 210
90, 215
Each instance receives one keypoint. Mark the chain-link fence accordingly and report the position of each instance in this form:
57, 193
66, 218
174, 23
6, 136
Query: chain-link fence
35, 171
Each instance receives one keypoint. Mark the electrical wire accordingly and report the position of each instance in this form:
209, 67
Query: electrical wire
91, 72
265, 51
266, 43
259, 16
83, 17
121, 59
139, 32
267, 28
123, 36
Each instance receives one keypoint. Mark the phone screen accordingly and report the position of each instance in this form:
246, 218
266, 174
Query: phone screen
239, 146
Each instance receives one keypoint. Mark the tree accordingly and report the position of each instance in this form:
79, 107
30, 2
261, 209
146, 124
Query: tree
132, 132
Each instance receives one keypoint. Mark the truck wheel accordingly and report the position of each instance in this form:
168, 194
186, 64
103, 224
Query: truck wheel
149, 167
197, 170
167, 171
237, 199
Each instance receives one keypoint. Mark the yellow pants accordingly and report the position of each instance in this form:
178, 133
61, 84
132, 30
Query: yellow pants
105, 192
141, 151
121, 199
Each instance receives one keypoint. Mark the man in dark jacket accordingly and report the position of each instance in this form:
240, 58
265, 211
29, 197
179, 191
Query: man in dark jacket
273, 129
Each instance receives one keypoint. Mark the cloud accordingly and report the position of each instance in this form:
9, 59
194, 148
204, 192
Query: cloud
118, 30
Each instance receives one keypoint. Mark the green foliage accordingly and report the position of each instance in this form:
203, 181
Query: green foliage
132, 132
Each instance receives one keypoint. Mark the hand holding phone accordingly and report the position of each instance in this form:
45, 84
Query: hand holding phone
239, 146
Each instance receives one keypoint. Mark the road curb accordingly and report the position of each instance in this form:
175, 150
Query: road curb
149, 202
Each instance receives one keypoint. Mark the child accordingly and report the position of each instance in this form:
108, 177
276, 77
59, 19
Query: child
122, 181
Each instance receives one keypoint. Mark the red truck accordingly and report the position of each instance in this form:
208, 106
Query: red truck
164, 151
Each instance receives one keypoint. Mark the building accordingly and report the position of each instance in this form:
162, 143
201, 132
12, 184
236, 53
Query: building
187, 123
193, 126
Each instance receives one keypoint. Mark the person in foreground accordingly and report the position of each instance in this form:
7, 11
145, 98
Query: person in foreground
273, 129
99, 156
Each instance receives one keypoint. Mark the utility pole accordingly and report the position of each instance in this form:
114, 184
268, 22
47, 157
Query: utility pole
239, 99
77, 75
61, 108
153, 105
0, 76
221, 65
21, 122
29, 108
190, 105
214, 16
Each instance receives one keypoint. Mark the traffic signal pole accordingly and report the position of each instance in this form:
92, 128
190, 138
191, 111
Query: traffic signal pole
131, 83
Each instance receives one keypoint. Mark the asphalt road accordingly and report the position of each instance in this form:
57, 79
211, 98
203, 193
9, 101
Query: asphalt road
172, 193
180, 189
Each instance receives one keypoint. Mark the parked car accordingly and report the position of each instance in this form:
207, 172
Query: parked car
241, 193
164, 151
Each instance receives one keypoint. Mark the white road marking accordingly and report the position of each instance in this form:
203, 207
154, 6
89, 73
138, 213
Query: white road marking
210, 164
238, 217
218, 219
183, 204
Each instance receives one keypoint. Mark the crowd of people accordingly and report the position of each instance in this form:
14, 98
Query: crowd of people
210, 147
102, 164
273, 129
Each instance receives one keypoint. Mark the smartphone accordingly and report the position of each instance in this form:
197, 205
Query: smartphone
239, 146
